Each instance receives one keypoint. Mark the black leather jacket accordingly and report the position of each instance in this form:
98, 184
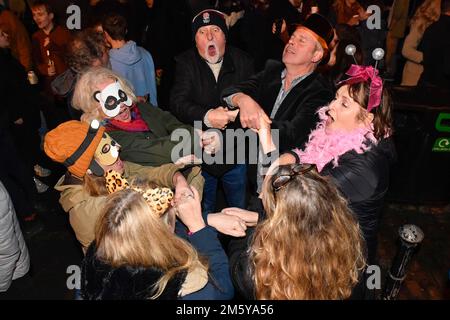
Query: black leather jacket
363, 179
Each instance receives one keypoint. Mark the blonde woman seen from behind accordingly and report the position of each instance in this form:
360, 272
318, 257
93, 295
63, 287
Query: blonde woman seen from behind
137, 256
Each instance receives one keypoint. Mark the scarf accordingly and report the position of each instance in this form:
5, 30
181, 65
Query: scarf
137, 124
323, 147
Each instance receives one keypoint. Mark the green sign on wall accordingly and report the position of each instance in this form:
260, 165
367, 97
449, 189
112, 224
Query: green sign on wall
442, 144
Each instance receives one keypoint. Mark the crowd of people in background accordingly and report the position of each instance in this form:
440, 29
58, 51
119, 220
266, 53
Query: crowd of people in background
105, 100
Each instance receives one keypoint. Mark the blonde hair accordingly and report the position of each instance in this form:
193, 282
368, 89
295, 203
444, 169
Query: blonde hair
88, 84
427, 13
128, 233
310, 246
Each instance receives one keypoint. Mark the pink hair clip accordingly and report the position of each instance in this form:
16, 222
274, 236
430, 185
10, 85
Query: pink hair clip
364, 73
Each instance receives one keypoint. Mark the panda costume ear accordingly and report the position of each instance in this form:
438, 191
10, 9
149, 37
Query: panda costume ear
97, 95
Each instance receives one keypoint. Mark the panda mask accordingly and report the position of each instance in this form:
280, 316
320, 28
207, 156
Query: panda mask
110, 99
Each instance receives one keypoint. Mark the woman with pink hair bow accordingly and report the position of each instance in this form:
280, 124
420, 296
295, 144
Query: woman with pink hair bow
352, 144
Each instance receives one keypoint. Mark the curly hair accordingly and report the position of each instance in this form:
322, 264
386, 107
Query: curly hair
83, 97
310, 246
86, 48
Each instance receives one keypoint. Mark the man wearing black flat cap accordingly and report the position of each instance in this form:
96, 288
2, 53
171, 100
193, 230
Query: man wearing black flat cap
285, 96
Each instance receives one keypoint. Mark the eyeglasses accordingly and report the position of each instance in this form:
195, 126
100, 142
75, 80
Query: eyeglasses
282, 179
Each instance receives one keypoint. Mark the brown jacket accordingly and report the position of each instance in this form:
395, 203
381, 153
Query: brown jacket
59, 38
84, 209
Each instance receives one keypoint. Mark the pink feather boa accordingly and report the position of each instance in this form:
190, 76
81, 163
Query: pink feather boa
324, 146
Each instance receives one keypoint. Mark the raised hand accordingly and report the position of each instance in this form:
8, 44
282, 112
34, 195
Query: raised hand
182, 189
189, 210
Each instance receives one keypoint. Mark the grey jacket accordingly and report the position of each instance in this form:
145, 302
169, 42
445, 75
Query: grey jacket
14, 257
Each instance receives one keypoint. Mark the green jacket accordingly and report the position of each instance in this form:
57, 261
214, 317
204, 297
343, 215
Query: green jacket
154, 147
85, 209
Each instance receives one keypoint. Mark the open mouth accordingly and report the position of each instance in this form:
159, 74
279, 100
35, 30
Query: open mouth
118, 164
123, 111
124, 114
290, 50
330, 117
212, 51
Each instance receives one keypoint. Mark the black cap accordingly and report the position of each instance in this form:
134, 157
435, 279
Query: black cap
209, 17
324, 31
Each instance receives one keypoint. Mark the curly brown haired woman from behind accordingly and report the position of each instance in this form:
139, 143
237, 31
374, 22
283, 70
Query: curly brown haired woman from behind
309, 247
